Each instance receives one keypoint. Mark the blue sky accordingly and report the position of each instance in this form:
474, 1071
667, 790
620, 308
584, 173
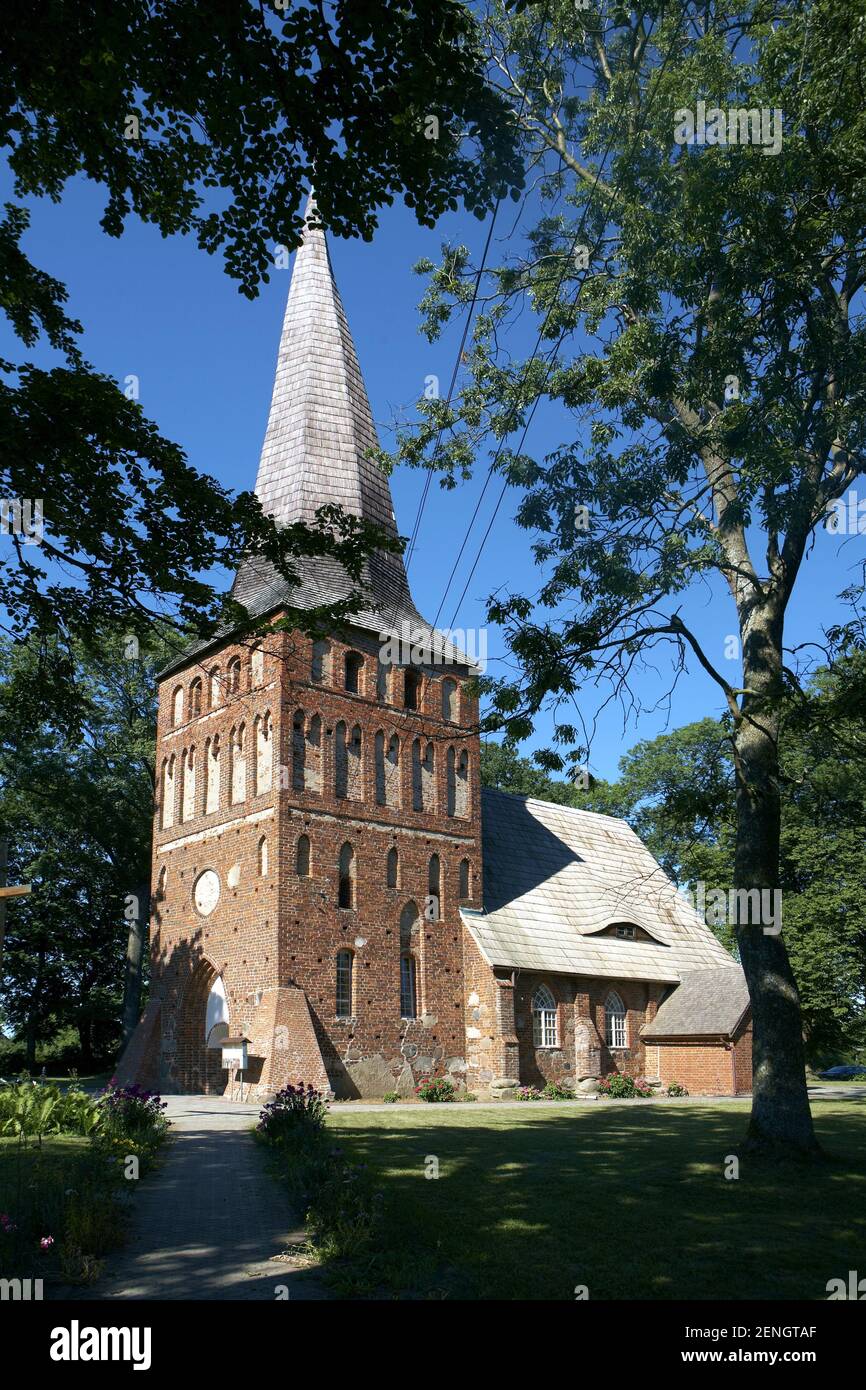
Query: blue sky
204, 355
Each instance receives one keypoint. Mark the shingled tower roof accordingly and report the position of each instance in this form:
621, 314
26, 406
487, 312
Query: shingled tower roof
316, 450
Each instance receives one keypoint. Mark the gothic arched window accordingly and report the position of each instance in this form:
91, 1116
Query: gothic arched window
346, 890
412, 689
263, 856
392, 872
353, 668
465, 883
344, 982
302, 857
433, 908
195, 692
408, 988
177, 706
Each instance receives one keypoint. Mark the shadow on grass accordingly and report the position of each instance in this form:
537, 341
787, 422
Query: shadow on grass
630, 1204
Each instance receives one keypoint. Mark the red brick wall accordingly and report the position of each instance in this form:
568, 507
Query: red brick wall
279, 929
704, 1068
578, 999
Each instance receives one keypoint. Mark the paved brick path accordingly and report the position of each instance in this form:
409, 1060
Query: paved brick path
210, 1222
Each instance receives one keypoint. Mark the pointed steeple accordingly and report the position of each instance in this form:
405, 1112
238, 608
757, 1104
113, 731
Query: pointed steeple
320, 427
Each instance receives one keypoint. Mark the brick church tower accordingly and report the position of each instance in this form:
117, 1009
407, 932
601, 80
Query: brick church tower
318, 818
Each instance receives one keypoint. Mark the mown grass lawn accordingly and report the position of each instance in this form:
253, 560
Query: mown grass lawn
632, 1203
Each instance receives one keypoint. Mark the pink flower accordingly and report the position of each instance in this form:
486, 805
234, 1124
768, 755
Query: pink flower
46, 1242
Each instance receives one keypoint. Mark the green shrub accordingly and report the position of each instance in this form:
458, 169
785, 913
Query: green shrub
675, 1089
618, 1087
529, 1093
558, 1090
435, 1089
337, 1198
390, 1098
293, 1109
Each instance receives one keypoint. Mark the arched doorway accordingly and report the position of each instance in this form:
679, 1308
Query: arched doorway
204, 1022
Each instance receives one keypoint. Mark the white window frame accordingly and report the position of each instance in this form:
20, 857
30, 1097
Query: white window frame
545, 1019
615, 1023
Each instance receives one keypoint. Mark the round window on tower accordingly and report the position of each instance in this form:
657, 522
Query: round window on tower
206, 892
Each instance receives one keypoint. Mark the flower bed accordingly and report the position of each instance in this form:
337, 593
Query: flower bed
67, 1159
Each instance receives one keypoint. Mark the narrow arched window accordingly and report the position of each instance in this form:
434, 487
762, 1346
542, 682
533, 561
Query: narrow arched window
408, 990
417, 792
162, 882
299, 751
188, 797
379, 767
615, 1021
238, 771
451, 783
168, 792
212, 775
263, 856
392, 772
302, 857
354, 767
433, 907
428, 779
392, 871
465, 881
449, 700
353, 668
345, 971
412, 689
313, 773
383, 673
264, 753
195, 698
461, 788
257, 665
216, 693
545, 1029
320, 669
341, 760
346, 891
233, 680
177, 706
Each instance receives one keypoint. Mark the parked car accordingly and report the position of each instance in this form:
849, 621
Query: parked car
843, 1074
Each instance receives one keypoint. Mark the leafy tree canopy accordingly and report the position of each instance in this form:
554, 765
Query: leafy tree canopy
211, 123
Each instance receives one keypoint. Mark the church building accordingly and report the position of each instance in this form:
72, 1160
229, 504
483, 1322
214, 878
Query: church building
335, 898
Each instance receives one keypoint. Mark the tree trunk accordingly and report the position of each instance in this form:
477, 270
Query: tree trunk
133, 966
781, 1120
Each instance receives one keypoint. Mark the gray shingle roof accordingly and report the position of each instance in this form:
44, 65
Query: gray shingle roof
319, 432
554, 877
708, 1003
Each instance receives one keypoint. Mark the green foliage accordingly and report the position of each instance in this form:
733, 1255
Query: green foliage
293, 1109
337, 1198
707, 357
617, 1087
62, 1197
435, 1089
675, 1089
558, 1090
76, 804
390, 1098
212, 130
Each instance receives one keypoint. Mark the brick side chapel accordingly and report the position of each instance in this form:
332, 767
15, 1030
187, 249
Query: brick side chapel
331, 885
